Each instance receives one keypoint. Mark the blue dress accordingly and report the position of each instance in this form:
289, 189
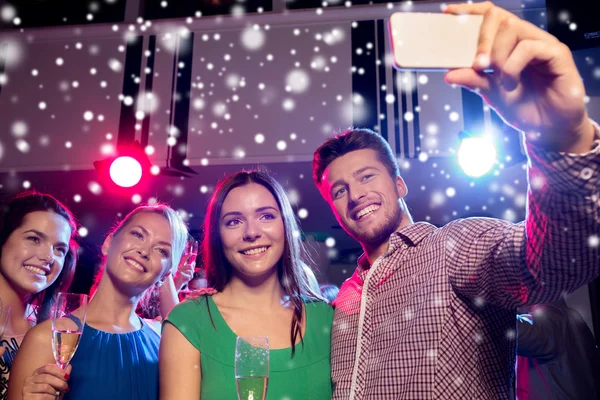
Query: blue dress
115, 366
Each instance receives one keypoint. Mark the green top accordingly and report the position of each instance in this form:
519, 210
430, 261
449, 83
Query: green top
304, 376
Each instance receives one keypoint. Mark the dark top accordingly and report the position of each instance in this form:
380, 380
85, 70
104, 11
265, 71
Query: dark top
558, 358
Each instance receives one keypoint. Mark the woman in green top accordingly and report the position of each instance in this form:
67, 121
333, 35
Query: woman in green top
253, 257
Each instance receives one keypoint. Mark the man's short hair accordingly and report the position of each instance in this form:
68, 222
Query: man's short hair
351, 140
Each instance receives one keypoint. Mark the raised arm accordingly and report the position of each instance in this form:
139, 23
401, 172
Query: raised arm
34, 374
168, 297
179, 366
169, 291
537, 89
532, 262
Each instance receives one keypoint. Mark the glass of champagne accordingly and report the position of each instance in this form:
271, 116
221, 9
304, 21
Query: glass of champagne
252, 367
192, 250
68, 320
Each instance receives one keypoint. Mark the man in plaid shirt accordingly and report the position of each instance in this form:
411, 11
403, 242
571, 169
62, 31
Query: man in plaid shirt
430, 313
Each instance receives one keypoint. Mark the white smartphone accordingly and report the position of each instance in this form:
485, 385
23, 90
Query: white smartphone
434, 41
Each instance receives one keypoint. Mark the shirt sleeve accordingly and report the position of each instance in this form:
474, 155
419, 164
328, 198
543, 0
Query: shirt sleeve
553, 252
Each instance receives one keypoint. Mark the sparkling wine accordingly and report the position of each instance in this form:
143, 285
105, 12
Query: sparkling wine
252, 387
64, 344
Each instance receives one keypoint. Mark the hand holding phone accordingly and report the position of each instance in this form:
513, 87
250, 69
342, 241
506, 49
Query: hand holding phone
535, 86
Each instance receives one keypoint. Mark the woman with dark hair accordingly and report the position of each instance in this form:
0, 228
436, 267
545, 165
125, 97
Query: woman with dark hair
117, 357
253, 257
38, 253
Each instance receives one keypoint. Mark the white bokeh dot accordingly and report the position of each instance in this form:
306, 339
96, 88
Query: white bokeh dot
302, 213
8, 13
297, 80
288, 104
22, 146
252, 38
95, 188
19, 129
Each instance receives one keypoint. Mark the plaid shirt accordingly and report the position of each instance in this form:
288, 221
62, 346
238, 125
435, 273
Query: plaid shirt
434, 317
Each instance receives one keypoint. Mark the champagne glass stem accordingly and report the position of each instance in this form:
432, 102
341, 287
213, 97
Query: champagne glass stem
63, 367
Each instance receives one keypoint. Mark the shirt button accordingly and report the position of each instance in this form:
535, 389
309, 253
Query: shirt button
404, 246
586, 173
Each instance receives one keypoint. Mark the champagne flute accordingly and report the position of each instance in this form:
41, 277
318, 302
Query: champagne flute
186, 268
192, 249
252, 367
68, 320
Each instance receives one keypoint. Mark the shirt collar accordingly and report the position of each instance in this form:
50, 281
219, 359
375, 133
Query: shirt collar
411, 234
414, 233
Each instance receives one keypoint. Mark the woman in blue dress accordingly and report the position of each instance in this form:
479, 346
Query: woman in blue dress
117, 357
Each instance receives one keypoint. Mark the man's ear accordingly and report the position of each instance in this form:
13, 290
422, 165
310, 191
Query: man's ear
401, 186
106, 245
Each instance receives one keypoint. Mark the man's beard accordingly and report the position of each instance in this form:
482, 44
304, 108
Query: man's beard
380, 233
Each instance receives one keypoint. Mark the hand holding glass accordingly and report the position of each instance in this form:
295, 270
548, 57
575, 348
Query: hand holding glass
68, 320
252, 367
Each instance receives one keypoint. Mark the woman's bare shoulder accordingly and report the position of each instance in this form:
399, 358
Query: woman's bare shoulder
40, 333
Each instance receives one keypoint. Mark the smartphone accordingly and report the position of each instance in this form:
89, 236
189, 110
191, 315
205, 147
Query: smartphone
434, 41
